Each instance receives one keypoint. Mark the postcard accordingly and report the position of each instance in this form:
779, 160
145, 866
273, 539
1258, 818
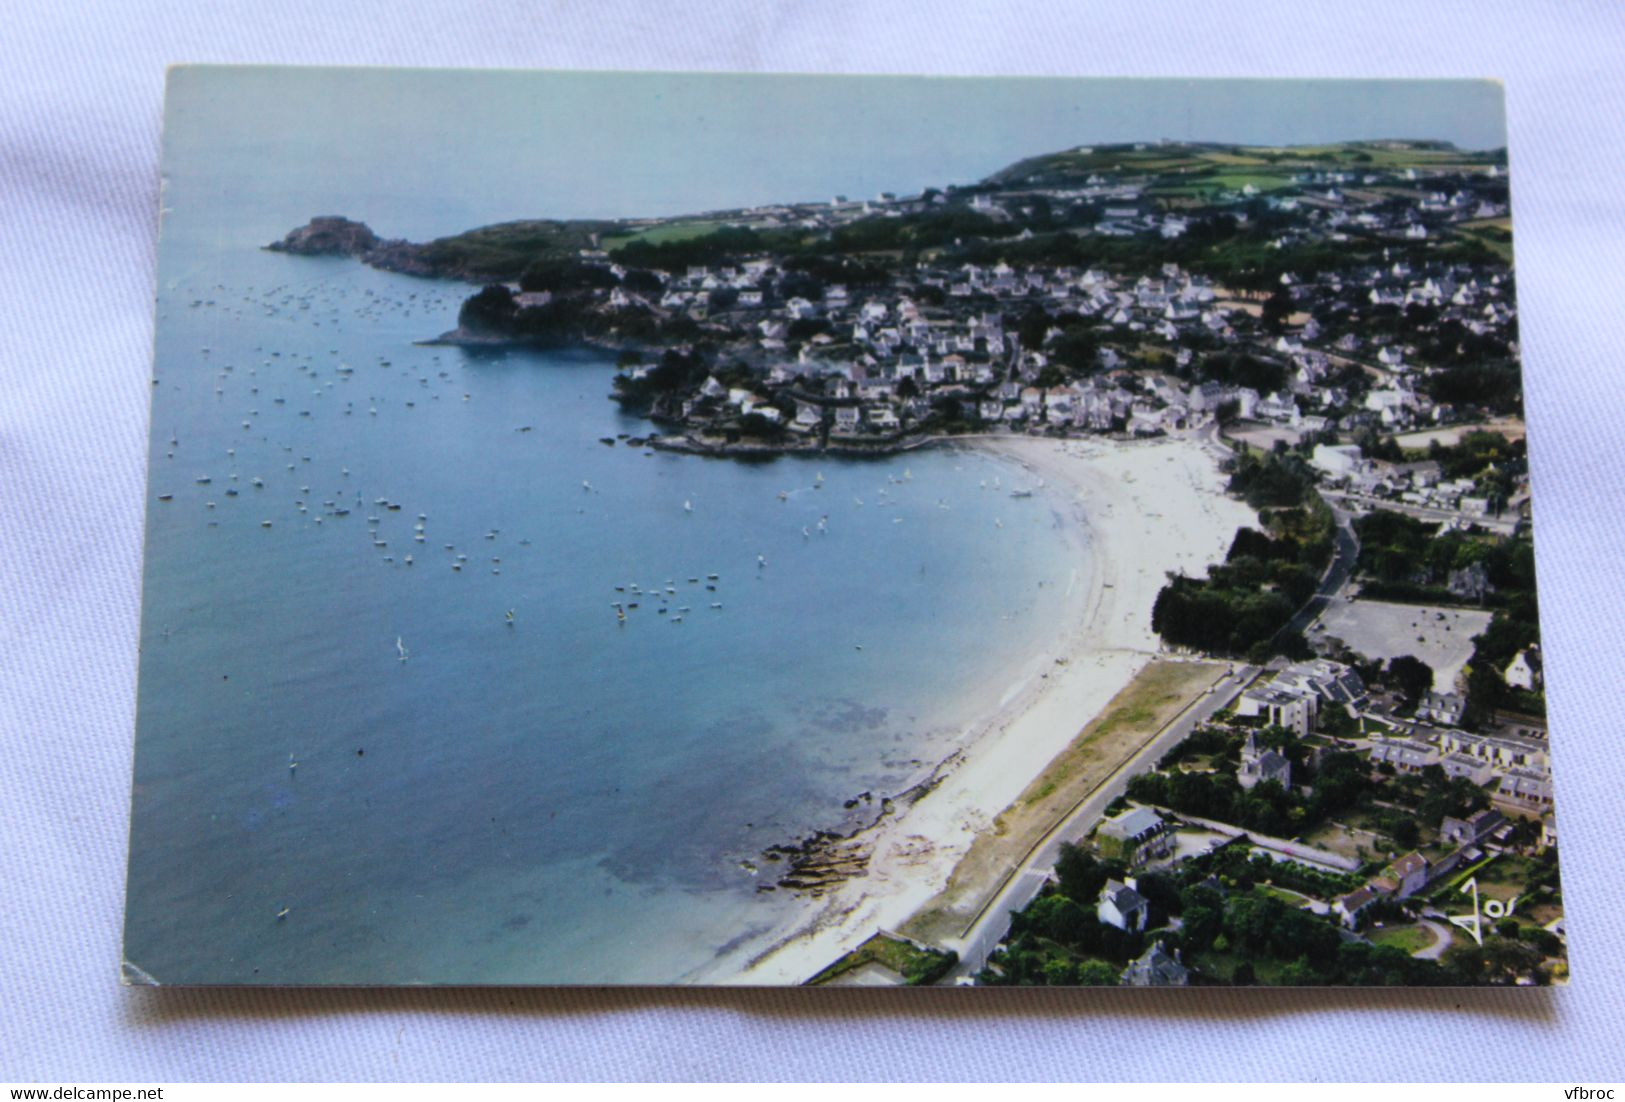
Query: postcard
617, 528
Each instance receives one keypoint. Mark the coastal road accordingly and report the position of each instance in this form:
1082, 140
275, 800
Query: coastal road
1027, 879
1503, 524
1345, 550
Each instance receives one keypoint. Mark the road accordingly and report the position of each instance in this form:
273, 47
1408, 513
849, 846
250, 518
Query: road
1443, 939
990, 926
1345, 550
1504, 524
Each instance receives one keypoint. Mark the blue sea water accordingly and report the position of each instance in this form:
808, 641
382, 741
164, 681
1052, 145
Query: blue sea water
563, 798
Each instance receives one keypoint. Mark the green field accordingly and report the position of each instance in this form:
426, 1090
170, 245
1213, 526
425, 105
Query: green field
1493, 232
1226, 181
1285, 895
1411, 939
663, 234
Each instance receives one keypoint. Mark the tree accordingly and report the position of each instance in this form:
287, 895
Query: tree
1404, 830
754, 424
1077, 348
1096, 973
1059, 919
1300, 973
491, 309
552, 274
1082, 875
1060, 972
1031, 327
1276, 309
1412, 677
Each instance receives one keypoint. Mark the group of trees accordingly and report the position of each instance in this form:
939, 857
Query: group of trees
1278, 479
494, 312
1059, 940
674, 373
1267, 808
1233, 929
1408, 559
1413, 799
1234, 922
1245, 602
1338, 780
1242, 370
1405, 558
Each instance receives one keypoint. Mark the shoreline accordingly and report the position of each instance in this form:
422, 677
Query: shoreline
1115, 491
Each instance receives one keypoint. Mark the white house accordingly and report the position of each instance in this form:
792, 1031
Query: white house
1121, 906
1136, 835
808, 416
1259, 765
1524, 671
1404, 877
1336, 459
1294, 711
1348, 908
1155, 968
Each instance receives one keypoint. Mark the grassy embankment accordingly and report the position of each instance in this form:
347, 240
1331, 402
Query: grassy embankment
662, 234
918, 967
1129, 721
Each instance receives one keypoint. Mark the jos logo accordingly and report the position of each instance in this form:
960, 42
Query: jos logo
1491, 909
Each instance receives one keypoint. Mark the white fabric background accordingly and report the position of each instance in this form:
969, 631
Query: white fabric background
80, 97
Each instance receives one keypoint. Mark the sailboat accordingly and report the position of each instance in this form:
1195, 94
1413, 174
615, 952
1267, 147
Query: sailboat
400, 647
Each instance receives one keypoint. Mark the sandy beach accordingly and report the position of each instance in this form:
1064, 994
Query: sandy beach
1145, 509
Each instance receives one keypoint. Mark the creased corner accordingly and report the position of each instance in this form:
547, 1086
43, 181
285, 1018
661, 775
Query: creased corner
133, 975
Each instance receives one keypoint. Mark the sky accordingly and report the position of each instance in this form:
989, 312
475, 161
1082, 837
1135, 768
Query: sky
426, 152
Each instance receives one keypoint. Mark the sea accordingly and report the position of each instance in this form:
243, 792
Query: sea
392, 725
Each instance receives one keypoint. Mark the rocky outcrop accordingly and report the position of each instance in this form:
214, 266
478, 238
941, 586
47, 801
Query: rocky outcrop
329, 235
817, 864
332, 235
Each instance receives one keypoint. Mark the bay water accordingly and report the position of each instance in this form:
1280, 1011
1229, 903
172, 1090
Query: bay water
352, 768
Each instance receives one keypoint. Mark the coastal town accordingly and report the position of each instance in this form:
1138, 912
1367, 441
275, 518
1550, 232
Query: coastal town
1349, 781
